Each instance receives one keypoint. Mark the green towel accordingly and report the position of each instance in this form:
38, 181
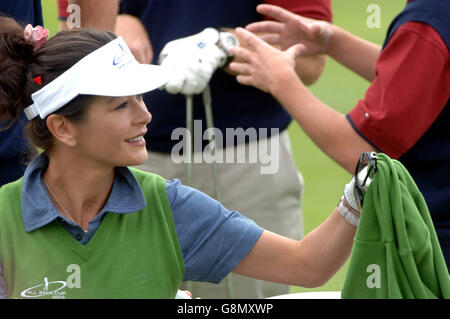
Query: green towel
396, 253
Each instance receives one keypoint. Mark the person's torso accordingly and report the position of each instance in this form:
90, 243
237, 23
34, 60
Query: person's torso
134, 255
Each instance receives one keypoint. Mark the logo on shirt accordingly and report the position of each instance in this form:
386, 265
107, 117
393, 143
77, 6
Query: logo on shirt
47, 288
55, 289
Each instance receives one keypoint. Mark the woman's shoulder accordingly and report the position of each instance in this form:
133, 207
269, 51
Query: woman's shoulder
10, 199
11, 189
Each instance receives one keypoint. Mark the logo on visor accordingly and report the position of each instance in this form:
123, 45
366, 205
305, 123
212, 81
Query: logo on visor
119, 57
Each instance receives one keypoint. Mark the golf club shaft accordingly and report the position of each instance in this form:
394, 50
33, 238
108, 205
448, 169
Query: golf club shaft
189, 150
207, 102
189, 147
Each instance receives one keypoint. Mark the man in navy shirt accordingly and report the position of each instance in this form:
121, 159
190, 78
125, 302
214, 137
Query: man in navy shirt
272, 199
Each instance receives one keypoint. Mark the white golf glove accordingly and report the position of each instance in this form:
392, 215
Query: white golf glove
349, 206
193, 61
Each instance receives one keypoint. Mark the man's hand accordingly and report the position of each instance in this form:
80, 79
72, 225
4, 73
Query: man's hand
319, 37
262, 65
290, 28
193, 61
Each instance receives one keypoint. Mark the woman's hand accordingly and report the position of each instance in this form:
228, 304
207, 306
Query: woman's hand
262, 65
290, 28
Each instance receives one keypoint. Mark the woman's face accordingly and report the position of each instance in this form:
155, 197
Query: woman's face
113, 131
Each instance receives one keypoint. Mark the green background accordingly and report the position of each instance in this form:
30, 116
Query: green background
339, 88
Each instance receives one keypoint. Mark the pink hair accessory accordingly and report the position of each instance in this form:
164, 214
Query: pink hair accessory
37, 36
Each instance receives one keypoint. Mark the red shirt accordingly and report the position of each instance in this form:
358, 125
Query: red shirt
410, 89
315, 9
62, 9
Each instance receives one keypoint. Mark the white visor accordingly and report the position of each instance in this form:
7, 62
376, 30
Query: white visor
110, 70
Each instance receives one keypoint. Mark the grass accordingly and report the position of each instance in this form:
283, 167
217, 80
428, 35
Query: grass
50, 12
337, 87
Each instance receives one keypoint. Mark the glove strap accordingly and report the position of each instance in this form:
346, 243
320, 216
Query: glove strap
346, 211
227, 40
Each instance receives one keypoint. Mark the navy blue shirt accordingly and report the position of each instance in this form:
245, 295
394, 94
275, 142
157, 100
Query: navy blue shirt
12, 144
213, 240
234, 105
23, 11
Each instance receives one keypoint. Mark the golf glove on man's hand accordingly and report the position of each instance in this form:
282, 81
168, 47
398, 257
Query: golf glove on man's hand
193, 61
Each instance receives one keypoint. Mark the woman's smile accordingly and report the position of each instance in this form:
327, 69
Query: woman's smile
137, 141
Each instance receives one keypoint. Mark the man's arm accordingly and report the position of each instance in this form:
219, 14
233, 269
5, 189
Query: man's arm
355, 53
98, 14
272, 72
329, 129
309, 68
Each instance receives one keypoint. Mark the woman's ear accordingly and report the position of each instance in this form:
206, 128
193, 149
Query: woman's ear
62, 129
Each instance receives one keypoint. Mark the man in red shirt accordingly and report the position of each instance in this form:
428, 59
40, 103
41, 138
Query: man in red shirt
405, 111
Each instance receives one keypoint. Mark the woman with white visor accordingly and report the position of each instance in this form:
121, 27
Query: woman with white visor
81, 224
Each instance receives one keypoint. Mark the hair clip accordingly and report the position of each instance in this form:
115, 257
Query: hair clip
37, 36
38, 79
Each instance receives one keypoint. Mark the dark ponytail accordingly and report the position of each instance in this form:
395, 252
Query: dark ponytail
15, 59
20, 64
